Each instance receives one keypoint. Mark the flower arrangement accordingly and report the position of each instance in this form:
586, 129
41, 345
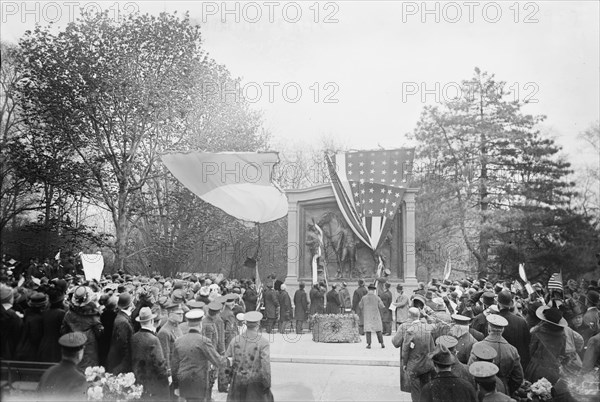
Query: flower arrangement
335, 328
108, 386
541, 389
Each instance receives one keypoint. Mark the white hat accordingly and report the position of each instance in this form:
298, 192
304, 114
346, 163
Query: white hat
194, 315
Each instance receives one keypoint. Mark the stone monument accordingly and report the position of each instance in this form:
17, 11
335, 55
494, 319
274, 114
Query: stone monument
344, 256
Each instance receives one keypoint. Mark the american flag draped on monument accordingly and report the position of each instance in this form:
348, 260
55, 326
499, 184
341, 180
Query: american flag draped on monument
369, 187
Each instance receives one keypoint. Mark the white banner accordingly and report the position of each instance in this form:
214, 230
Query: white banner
93, 264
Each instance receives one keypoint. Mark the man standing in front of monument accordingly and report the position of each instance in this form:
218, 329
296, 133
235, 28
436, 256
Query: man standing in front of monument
359, 293
300, 307
371, 306
402, 305
386, 313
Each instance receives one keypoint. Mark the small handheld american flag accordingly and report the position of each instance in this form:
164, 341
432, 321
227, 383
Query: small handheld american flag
555, 281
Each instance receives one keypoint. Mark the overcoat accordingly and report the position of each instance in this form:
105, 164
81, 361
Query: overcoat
149, 365
190, 364
334, 303
31, 336
229, 325
49, 347
300, 305
465, 342
446, 387
271, 303
548, 343
85, 319
359, 293
167, 336
250, 297
386, 313
107, 318
211, 329
11, 326
63, 382
370, 306
345, 298
285, 306
591, 358
119, 354
517, 334
251, 368
317, 301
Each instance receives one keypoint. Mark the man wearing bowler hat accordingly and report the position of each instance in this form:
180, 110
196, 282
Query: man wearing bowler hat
65, 381
148, 360
119, 354
371, 306
445, 386
190, 363
479, 322
250, 363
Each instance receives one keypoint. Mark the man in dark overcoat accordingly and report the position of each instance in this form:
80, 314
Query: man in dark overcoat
300, 307
386, 314
119, 355
191, 359
147, 359
334, 303
445, 386
517, 331
271, 306
285, 308
359, 293
11, 324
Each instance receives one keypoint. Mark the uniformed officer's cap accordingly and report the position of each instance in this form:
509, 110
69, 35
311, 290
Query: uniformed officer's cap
446, 340
253, 316
193, 304
73, 340
194, 315
231, 297
496, 320
215, 306
483, 371
240, 317
173, 307
221, 299
483, 351
494, 309
461, 319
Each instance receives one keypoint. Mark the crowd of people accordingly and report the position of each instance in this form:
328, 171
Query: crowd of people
474, 340
460, 341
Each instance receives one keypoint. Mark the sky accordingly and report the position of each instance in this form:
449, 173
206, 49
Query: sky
361, 72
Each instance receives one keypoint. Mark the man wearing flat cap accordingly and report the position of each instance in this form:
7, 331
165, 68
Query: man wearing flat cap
508, 359
250, 363
65, 381
190, 362
445, 386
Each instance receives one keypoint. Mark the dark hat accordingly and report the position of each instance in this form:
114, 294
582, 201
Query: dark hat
145, 314
574, 312
73, 340
60, 284
429, 295
461, 319
442, 356
483, 371
124, 300
215, 306
372, 287
399, 287
253, 316
177, 296
173, 307
505, 298
194, 315
56, 295
483, 351
551, 315
496, 320
447, 340
488, 298
593, 297
37, 299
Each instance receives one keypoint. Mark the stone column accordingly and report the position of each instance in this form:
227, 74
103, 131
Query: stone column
410, 264
293, 244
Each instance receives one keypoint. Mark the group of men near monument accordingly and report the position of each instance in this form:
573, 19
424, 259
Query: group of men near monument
478, 341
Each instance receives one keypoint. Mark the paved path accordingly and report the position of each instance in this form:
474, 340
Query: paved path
303, 370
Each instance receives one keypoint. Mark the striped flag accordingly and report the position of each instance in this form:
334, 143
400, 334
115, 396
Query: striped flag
555, 282
369, 187
259, 290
